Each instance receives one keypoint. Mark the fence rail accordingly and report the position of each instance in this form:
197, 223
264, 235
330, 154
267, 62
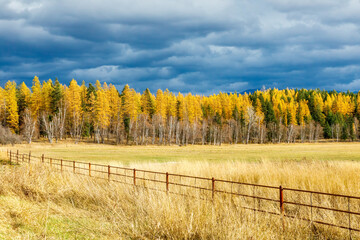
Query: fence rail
311, 206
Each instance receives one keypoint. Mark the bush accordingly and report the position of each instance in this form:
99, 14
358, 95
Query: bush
7, 137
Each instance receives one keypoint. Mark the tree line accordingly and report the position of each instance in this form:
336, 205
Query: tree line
103, 114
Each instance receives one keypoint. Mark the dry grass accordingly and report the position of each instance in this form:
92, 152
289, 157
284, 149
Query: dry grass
38, 203
127, 155
325, 176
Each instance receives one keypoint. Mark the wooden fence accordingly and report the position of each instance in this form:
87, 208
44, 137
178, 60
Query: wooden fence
316, 208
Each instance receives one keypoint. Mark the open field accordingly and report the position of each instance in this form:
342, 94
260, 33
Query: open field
37, 203
40, 204
305, 166
127, 155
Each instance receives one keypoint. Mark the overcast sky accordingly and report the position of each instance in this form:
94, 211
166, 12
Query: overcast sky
203, 46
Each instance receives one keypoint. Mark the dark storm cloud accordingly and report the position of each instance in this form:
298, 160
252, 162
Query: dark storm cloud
202, 46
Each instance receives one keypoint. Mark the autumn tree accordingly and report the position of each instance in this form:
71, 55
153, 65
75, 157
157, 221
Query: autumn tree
12, 115
75, 111
101, 112
56, 111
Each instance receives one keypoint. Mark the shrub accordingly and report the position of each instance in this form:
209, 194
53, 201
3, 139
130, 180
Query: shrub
7, 137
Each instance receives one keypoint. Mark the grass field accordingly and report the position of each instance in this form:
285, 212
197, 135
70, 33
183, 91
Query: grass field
39, 204
307, 166
127, 155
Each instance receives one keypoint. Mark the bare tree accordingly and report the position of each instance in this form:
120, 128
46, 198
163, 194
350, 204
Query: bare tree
29, 125
59, 124
77, 126
194, 132
356, 126
290, 133
118, 128
262, 133
280, 130
302, 132
49, 127
337, 131
177, 133
203, 131
172, 121
251, 118
311, 131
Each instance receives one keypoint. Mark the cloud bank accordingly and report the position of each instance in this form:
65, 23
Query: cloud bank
203, 46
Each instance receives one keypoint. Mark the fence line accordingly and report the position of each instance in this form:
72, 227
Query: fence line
284, 202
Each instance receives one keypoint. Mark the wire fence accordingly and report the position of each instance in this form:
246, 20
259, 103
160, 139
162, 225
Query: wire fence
316, 208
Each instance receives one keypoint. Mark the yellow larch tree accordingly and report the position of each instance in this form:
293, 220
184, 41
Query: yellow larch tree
226, 105
83, 93
46, 91
328, 103
292, 112
101, 113
130, 102
26, 93
114, 102
303, 112
103, 107
73, 98
36, 98
2, 105
12, 116
343, 104
318, 101
216, 104
197, 108
258, 111
246, 103
75, 111
189, 104
170, 102
358, 103
160, 104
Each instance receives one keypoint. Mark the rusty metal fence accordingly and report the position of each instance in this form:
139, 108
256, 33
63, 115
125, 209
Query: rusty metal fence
316, 208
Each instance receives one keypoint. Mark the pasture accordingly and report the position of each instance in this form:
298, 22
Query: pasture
38, 203
128, 155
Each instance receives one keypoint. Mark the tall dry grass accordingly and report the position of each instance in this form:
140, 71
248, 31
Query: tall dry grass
340, 177
37, 202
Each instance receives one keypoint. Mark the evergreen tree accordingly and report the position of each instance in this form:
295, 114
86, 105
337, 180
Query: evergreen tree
148, 103
23, 95
56, 97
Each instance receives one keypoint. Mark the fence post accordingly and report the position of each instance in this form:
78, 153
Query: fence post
167, 182
134, 177
281, 190
349, 218
61, 162
29, 155
109, 173
50, 162
90, 169
23, 158
10, 157
17, 155
74, 166
282, 210
43, 158
311, 209
213, 187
